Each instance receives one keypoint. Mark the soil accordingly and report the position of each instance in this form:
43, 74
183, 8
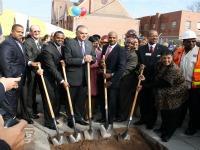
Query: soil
137, 142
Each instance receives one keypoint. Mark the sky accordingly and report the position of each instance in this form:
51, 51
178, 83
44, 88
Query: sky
136, 8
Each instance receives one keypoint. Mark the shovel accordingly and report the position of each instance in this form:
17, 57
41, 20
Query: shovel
76, 136
58, 140
104, 129
89, 134
125, 135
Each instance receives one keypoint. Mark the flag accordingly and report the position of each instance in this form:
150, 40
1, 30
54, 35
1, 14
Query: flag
14, 21
27, 27
1, 32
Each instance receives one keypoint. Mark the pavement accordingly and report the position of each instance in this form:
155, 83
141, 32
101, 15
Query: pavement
179, 141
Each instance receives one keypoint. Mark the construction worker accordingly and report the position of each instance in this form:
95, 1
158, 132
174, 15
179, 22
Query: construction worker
188, 59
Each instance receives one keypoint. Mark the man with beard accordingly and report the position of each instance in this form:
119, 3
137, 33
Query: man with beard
50, 58
12, 64
188, 58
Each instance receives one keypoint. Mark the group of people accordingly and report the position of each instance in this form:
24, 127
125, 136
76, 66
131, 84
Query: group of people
170, 83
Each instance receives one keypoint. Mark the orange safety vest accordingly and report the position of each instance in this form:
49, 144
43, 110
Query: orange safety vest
196, 72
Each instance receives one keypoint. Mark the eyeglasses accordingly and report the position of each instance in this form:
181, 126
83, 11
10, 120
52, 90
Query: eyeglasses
36, 31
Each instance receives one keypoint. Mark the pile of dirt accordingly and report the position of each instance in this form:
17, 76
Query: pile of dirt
137, 142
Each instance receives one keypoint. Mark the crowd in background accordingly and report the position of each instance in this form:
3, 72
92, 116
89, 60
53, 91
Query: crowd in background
170, 83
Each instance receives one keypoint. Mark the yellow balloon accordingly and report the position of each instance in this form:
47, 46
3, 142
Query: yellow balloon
70, 12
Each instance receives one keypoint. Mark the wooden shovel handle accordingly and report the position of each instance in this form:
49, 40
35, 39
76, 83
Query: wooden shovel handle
136, 93
46, 93
105, 87
89, 90
67, 88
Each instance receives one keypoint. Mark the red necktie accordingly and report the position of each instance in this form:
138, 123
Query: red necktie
151, 49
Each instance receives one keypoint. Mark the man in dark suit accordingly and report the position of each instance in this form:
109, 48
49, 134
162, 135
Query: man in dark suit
12, 64
32, 50
50, 58
115, 60
149, 55
78, 53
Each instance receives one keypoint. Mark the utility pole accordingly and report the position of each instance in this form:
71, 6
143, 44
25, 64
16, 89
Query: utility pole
90, 6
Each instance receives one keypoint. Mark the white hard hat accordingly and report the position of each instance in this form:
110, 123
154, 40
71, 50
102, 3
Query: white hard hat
189, 34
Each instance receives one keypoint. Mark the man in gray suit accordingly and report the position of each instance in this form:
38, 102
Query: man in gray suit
78, 53
32, 50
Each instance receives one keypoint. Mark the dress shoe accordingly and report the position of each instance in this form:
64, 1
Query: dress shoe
149, 127
157, 131
140, 122
34, 116
101, 120
190, 131
81, 121
120, 119
70, 124
165, 138
50, 126
30, 121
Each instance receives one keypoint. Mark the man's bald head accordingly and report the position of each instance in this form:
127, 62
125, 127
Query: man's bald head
112, 38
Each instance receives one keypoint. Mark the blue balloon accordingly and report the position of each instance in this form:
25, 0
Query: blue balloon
76, 11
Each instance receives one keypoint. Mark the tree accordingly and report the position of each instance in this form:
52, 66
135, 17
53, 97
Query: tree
195, 6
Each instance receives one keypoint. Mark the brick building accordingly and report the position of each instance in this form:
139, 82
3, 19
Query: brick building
171, 25
103, 16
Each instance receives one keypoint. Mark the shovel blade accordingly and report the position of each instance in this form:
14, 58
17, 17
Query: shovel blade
105, 132
75, 138
59, 141
124, 136
88, 134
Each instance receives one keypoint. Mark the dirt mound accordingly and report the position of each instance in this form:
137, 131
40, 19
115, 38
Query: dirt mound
137, 142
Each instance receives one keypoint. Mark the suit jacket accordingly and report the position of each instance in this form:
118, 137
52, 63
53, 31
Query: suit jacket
50, 60
76, 69
12, 59
31, 49
150, 60
131, 62
2, 92
31, 52
115, 63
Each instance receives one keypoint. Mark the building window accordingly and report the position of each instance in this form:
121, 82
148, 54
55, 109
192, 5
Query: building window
173, 24
162, 26
146, 27
198, 25
188, 25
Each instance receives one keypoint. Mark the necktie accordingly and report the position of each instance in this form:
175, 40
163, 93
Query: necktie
59, 49
19, 44
109, 49
83, 48
151, 49
38, 45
